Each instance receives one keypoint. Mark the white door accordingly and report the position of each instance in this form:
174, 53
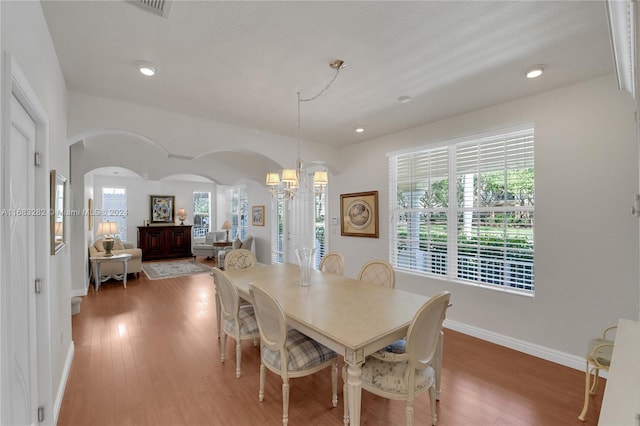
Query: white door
20, 325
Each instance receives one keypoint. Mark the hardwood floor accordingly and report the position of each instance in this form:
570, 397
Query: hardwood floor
149, 355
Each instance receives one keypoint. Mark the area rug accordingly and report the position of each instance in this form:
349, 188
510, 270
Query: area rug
179, 268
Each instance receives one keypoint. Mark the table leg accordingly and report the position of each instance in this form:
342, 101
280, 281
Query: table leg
354, 383
124, 279
96, 282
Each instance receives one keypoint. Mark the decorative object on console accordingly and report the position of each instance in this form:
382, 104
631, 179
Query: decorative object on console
108, 229
162, 208
287, 182
226, 226
359, 214
182, 215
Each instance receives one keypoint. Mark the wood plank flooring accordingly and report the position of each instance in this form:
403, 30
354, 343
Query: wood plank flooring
149, 355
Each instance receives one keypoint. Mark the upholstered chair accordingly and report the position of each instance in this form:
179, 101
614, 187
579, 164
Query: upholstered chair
287, 352
239, 321
403, 376
378, 272
332, 263
598, 358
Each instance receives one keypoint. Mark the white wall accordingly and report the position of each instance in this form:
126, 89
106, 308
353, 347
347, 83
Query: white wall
25, 36
586, 239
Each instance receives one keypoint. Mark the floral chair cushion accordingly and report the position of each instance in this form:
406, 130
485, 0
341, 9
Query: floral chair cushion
390, 376
303, 352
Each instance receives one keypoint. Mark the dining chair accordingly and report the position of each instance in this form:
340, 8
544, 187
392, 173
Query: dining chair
286, 351
332, 263
239, 259
598, 358
239, 321
236, 259
404, 376
378, 272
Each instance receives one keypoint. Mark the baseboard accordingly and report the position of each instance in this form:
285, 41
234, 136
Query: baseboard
558, 357
63, 383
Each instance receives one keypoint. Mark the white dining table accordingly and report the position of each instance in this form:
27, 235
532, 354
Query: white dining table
352, 317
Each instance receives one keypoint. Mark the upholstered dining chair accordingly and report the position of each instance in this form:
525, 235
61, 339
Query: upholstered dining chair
378, 272
598, 358
239, 321
333, 263
239, 259
287, 352
404, 376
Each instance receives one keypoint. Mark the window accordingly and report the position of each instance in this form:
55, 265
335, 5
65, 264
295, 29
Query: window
201, 213
277, 229
114, 208
465, 211
319, 222
239, 211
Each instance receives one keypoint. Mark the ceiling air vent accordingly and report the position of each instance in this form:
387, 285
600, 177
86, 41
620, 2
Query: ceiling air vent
157, 7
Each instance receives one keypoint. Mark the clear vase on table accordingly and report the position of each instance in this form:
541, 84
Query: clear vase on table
305, 257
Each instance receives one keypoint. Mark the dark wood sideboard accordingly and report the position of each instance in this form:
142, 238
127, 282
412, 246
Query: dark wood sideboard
164, 242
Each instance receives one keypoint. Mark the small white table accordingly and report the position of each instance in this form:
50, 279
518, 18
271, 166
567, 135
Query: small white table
97, 260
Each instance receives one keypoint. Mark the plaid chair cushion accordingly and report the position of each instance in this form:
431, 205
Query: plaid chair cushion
389, 376
304, 352
247, 319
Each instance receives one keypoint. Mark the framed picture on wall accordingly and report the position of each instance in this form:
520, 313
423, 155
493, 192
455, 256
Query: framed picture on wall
162, 208
359, 214
257, 215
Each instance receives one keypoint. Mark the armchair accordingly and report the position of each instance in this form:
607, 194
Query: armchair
204, 246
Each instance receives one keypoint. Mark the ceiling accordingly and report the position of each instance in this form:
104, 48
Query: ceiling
244, 62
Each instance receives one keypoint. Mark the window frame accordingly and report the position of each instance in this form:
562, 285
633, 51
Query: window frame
115, 213
197, 230
443, 258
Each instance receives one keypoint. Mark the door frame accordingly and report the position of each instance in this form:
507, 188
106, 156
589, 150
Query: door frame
15, 83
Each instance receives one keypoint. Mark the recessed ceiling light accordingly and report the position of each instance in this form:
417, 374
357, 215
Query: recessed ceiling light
534, 71
359, 129
404, 99
147, 69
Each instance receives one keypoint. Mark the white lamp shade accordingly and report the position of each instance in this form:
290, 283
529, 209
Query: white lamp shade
289, 176
273, 179
108, 228
320, 178
226, 225
182, 213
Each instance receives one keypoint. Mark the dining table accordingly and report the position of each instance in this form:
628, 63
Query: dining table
353, 318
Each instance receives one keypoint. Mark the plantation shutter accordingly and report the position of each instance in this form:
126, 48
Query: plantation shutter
420, 188
495, 210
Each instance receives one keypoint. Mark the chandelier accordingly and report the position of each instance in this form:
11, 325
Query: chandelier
287, 182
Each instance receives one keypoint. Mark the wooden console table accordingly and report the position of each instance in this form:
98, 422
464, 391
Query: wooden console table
164, 242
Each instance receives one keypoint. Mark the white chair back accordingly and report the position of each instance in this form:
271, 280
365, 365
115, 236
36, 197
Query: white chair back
332, 263
272, 321
424, 331
239, 259
229, 299
378, 272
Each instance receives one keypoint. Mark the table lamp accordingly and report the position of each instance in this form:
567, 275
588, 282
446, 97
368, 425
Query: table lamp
182, 215
226, 226
108, 229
